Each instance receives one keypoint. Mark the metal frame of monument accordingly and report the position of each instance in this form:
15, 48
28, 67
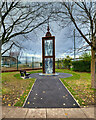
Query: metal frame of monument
48, 37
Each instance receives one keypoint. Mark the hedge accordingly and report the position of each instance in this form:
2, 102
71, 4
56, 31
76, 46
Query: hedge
81, 66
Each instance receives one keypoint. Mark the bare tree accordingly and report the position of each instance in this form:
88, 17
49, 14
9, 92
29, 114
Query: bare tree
20, 18
83, 17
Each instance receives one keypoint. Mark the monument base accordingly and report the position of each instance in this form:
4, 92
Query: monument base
45, 74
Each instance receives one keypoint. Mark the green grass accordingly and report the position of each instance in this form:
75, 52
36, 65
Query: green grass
80, 86
18, 76
6, 90
35, 71
15, 89
22, 98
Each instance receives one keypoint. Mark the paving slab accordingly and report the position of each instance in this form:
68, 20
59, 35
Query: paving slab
16, 113
48, 113
49, 92
5, 111
75, 113
36, 113
89, 112
56, 113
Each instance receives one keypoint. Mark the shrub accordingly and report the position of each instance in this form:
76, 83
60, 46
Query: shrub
81, 66
67, 62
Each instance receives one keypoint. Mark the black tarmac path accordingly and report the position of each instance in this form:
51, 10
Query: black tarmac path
49, 92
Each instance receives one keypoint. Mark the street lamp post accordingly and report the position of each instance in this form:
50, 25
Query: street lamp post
74, 45
32, 62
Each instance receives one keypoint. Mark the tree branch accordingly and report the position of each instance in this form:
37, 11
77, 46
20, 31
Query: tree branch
73, 20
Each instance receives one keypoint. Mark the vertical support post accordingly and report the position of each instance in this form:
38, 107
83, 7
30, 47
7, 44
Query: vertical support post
10, 61
58, 63
17, 62
26, 60
93, 57
95, 62
95, 53
95, 68
43, 53
74, 45
32, 62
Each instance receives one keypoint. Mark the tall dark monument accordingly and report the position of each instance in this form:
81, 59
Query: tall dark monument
48, 53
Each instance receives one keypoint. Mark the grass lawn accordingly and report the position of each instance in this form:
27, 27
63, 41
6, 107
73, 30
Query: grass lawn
16, 89
80, 86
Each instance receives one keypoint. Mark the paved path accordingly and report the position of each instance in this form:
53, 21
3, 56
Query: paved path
48, 114
49, 92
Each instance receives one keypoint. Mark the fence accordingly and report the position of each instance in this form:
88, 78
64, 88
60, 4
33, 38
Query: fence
19, 63
25, 62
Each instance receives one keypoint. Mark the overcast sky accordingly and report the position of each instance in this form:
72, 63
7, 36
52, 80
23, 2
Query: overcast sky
64, 42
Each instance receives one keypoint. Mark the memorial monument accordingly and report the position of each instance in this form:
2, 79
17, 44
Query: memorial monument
48, 53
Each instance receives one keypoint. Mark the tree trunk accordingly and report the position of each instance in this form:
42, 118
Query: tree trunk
93, 74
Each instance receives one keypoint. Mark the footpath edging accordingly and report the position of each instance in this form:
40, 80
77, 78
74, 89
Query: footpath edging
26, 113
